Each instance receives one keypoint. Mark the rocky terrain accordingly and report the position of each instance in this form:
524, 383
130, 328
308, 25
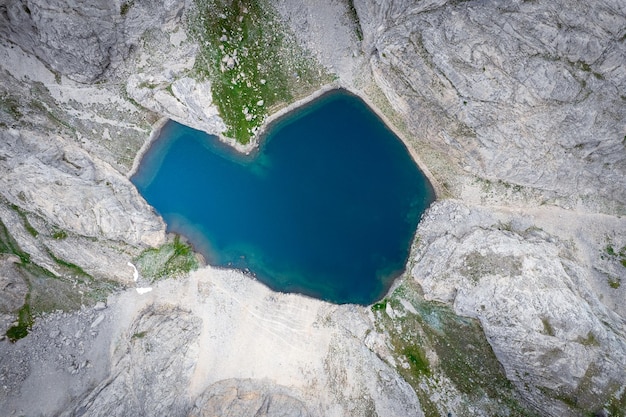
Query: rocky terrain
513, 298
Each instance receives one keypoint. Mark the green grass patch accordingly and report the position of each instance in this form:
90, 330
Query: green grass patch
25, 322
614, 254
253, 61
9, 245
125, 7
547, 327
139, 335
417, 360
10, 105
29, 228
354, 17
69, 267
609, 250
45, 111
616, 406
59, 234
590, 340
172, 259
380, 306
464, 355
614, 282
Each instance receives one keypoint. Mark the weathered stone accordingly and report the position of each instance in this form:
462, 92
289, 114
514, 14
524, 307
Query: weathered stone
247, 398
82, 40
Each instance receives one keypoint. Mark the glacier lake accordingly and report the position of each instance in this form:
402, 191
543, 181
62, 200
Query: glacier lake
327, 206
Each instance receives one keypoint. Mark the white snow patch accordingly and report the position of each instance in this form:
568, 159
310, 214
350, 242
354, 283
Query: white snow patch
135, 272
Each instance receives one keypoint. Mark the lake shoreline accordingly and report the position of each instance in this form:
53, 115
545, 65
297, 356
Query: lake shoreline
154, 134
342, 152
257, 140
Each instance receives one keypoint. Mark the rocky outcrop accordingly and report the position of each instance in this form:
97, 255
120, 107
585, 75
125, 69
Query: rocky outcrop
60, 182
13, 287
184, 100
59, 198
535, 296
217, 343
247, 398
529, 93
150, 369
83, 40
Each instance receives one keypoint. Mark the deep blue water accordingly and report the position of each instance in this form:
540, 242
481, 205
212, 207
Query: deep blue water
327, 207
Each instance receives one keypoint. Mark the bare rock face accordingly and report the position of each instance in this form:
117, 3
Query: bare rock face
190, 102
247, 398
535, 298
82, 40
12, 285
530, 93
150, 369
81, 195
61, 205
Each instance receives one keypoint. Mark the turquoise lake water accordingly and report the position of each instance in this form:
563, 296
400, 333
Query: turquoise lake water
328, 206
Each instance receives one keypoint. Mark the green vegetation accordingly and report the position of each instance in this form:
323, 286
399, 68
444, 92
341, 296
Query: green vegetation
10, 105
254, 63
125, 7
29, 228
59, 234
609, 249
47, 291
616, 406
9, 245
462, 354
590, 340
139, 335
353, 15
615, 256
418, 364
44, 110
380, 306
24, 323
170, 260
547, 327
70, 267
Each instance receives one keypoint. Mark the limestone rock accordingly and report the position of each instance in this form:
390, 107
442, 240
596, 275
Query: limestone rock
150, 369
247, 398
12, 285
187, 101
61, 182
86, 39
534, 298
517, 93
513, 91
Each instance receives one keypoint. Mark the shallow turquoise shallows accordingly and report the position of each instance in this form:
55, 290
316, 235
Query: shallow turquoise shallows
327, 207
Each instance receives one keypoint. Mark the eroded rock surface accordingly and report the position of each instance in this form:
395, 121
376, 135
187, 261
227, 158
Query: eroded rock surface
534, 294
150, 368
530, 93
83, 40
247, 398
57, 180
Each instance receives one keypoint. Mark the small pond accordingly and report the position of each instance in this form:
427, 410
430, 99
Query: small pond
327, 206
